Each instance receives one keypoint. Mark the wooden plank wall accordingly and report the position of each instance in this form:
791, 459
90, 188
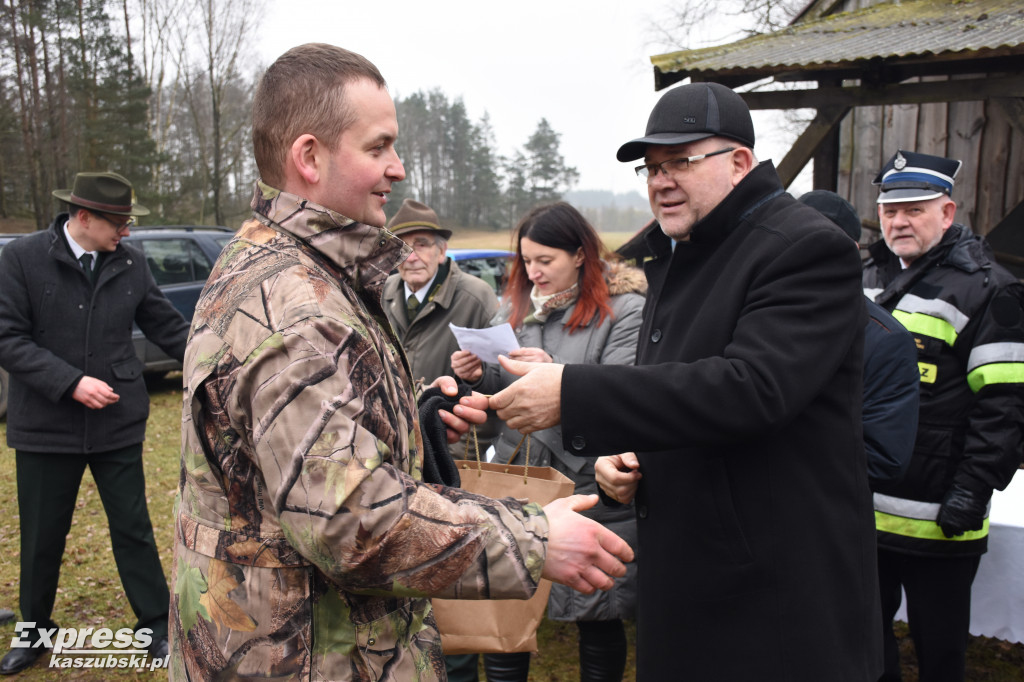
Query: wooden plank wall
990, 183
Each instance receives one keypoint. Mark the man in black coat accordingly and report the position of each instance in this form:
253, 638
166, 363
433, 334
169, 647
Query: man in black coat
756, 548
77, 396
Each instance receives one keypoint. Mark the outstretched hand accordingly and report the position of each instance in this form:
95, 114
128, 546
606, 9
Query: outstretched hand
582, 553
534, 401
470, 410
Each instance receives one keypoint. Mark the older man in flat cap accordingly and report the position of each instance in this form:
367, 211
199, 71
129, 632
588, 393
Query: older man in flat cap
78, 399
966, 313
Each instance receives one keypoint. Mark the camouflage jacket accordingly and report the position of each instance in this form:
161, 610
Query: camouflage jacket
306, 542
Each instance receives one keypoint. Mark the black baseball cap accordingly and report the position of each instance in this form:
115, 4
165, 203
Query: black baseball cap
692, 112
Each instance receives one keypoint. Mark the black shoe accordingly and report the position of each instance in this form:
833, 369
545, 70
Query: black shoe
17, 660
158, 649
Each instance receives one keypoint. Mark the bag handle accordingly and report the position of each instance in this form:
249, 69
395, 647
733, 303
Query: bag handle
526, 467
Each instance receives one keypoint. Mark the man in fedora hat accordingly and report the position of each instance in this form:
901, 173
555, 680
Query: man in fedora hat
966, 313
429, 291
757, 552
78, 399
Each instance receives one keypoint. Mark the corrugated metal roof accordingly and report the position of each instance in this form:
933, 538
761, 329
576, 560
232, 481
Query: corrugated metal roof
888, 30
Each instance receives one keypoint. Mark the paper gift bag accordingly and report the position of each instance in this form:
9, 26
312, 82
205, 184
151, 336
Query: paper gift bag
470, 626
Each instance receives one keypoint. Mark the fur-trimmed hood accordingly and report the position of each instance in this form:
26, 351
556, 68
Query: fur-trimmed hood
625, 279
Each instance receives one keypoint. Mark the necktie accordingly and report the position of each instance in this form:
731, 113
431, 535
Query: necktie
86, 260
411, 306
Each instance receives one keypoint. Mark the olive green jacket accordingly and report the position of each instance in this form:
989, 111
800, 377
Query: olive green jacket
461, 299
306, 543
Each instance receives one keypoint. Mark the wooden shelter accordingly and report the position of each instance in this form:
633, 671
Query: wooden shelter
942, 77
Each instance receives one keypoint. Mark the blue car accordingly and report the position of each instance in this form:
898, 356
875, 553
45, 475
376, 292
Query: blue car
490, 265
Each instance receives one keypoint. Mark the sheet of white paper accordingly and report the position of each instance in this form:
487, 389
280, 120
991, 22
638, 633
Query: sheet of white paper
487, 343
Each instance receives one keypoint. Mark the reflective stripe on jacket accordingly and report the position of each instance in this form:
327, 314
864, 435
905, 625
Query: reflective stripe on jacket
967, 316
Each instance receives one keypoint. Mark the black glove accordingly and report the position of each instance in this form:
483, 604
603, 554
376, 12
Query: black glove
961, 511
438, 465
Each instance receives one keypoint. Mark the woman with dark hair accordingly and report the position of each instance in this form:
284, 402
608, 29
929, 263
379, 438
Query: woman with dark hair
567, 304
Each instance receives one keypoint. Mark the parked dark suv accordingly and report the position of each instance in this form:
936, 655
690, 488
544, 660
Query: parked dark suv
181, 258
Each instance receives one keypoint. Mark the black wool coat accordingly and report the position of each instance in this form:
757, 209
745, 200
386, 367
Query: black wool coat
55, 327
756, 532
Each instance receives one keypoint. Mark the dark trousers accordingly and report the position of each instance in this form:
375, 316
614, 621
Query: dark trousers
462, 667
47, 491
602, 647
938, 612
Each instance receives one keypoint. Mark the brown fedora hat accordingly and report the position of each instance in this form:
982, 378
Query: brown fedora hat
107, 192
414, 216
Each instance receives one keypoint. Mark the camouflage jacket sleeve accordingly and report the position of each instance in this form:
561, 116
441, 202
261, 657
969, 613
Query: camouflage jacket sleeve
327, 408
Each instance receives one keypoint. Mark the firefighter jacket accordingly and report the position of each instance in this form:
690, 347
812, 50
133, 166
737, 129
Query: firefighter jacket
965, 312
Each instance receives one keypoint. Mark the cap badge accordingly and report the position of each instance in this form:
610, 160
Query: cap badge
899, 163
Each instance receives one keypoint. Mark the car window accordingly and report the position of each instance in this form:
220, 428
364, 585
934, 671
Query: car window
490, 270
223, 241
174, 261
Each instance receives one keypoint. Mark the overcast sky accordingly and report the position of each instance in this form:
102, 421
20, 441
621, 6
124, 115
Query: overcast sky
583, 65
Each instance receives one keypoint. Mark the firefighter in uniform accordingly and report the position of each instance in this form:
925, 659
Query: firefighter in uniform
967, 317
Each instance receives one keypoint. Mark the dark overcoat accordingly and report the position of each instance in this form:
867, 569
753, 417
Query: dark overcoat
756, 534
56, 327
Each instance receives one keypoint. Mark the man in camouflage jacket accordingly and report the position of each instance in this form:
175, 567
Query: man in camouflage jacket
306, 541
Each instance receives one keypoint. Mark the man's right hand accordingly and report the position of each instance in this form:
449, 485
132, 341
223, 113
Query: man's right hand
94, 393
961, 511
582, 553
618, 475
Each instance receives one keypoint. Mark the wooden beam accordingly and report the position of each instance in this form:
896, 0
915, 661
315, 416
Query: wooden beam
1014, 108
964, 90
819, 130
826, 158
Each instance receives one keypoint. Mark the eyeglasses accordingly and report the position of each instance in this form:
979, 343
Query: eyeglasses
422, 244
650, 170
118, 227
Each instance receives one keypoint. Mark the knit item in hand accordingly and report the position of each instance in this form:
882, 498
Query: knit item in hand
438, 465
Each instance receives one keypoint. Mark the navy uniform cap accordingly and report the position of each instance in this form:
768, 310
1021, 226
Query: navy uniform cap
910, 176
